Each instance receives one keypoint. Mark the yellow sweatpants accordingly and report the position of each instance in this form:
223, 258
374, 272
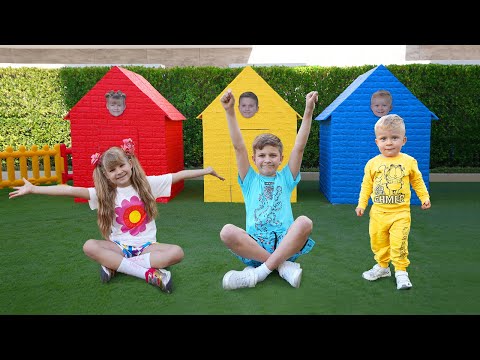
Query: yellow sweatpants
389, 237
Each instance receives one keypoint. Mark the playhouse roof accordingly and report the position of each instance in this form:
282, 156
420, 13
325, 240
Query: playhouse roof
375, 78
143, 85
249, 80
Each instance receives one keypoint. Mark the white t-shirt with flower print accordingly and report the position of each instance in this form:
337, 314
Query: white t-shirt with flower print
131, 225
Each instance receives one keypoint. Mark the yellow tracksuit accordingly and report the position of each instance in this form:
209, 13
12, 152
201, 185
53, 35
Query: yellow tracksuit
387, 182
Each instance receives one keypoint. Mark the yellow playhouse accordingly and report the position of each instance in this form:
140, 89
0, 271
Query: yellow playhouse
274, 116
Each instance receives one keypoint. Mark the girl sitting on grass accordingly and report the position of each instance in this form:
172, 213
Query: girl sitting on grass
126, 201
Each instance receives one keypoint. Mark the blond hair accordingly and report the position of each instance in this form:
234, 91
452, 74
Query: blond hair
382, 94
265, 139
390, 122
107, 191
115, 95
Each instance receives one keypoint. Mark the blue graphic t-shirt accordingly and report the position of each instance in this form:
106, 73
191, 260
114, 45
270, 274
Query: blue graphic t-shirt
267, 201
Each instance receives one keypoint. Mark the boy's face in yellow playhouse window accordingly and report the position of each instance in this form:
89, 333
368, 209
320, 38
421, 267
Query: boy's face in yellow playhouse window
116, 103
248, 105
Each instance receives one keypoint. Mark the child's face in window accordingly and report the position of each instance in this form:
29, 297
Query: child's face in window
116, 106
380, 106
248, 107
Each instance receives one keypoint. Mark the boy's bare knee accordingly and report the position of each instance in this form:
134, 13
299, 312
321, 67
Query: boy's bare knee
305, 223
227, 232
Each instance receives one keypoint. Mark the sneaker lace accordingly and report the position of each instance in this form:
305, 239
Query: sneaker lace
403, 278
242, 280
377, 270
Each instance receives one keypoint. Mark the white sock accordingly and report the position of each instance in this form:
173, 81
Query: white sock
132, 268
142, 260
262, 272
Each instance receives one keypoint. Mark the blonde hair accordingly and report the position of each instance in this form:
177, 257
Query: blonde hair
115, 95
390, 122
107, 191
382, 94
265, 139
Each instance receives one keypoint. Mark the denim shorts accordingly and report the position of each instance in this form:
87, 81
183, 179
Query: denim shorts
270, 242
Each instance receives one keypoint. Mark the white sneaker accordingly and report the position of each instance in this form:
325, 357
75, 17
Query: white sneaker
403, 282
376, 272
248, 267
239, 279
291, 263
292, 272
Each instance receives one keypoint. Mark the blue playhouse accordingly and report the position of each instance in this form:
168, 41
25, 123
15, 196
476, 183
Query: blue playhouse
347, 138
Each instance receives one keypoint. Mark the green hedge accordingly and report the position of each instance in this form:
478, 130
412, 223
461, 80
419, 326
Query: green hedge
33, 102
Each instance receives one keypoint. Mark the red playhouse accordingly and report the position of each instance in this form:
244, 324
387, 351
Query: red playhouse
124, 105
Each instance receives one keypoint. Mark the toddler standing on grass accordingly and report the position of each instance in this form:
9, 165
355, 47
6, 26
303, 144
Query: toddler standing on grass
387, 179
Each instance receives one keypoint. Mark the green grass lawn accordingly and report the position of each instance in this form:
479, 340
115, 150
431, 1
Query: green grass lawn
44, 271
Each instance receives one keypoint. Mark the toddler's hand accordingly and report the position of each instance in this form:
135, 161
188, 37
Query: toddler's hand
426, 205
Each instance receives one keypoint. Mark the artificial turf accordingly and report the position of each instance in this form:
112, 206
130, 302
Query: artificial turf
44, 271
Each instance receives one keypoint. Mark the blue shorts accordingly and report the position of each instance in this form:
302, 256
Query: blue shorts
129, 250
270, 242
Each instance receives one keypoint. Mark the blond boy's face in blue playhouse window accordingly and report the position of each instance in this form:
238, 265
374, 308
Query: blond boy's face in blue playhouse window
381, 105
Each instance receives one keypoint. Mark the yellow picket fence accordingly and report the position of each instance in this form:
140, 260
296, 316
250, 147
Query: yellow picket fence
38, 156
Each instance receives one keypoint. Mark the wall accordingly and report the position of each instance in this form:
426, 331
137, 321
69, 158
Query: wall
193, 55
220, 56
443, 53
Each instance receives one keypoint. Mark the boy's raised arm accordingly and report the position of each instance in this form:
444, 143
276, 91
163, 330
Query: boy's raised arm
296, 156
228, 103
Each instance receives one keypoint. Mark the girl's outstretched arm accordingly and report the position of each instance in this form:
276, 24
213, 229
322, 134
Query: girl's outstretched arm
54, 190
190, 174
